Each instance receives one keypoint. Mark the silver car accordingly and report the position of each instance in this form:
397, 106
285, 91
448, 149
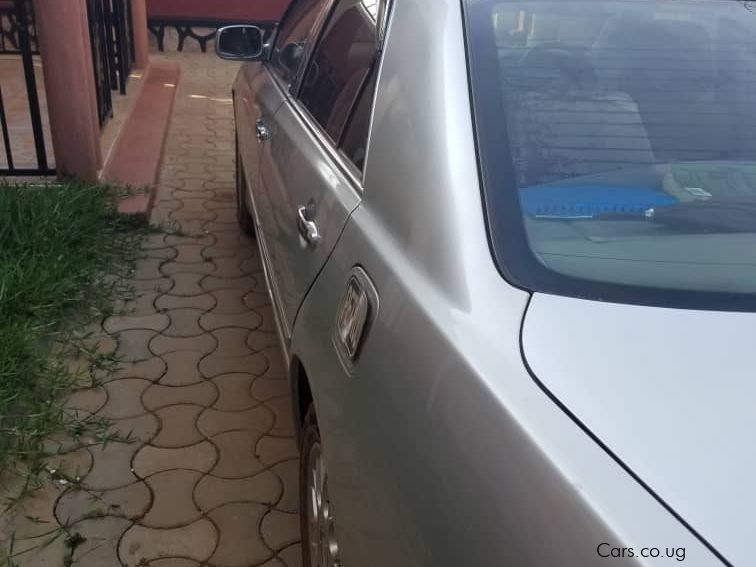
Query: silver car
511, 247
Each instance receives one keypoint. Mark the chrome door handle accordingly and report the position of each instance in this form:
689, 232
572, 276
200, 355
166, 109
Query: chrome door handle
307, 228
262, 132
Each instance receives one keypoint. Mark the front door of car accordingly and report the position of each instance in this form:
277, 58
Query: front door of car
309, 182
259, 92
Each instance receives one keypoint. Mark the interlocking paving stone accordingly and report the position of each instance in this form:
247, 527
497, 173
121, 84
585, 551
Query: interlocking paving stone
234, 392
129, 502
178, 240
229, 267
148, 269
268, 319
159, 285
154, 242
159, 396
205, 343
150, 460
246, 320
39, 516
174, 268
292, 555
154, 322
237, 455
212, 492
186, 285
255, 299
250, 265
173, 503
288, 474
143, 303
160, 253
238, 545
140, 429
111, 466
133, 345
178, 426
264, 389
100, 545
215, 283
259, 341
124, 398
189, 253
280, 529
215, 252
272, 450
212, 422
216, 364
234, 341
184, 323
281, 407
151, 369
141, 544
205, 302
90, 400
230, 301
183, 368
173, 562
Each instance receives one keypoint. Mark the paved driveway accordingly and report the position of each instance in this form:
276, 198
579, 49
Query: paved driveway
211, 478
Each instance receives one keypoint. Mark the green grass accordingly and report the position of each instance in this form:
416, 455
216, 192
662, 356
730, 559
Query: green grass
61, 249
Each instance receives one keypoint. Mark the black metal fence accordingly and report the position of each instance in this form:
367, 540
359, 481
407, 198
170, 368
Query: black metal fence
21, 39
110, 29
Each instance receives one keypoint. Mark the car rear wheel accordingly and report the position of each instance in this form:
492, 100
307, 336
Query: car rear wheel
246, 223
319, 546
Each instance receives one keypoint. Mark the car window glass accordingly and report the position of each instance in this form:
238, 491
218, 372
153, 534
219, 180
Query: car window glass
289, 51
354, 140
340, 64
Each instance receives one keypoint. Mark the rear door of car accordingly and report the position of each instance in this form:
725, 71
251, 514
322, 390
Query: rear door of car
310, 172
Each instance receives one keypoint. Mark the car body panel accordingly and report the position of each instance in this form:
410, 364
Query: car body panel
256, 97
670, 392
298, 170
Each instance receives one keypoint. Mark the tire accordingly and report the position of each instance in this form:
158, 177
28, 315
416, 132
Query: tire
243, 216
311, 448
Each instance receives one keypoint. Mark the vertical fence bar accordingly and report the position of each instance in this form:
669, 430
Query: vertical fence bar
24, 41
99, 40
6, 134
110, 42
122, 51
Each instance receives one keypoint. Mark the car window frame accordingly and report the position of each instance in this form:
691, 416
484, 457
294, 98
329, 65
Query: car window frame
312, 39
333, 148
290, 92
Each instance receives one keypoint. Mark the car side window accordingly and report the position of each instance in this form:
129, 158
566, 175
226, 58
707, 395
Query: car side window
296, 30
354, 140
340, 65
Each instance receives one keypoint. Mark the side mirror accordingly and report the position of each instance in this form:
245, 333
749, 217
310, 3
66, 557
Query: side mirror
239, 43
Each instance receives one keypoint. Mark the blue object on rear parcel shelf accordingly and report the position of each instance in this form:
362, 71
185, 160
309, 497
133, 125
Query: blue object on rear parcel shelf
588, 201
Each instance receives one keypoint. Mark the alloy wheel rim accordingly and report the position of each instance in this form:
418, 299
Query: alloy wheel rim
323, 548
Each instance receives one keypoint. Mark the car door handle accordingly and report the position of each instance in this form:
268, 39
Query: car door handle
307, 228
261, 131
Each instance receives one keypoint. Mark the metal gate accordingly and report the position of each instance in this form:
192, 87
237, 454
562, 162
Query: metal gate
18, 38
110, 29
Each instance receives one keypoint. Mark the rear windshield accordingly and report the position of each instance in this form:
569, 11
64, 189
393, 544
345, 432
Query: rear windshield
618, 146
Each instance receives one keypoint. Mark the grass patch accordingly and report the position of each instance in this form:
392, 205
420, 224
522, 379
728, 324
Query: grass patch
62, 249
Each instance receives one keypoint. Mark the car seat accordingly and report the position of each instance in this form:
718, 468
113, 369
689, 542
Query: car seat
564, 121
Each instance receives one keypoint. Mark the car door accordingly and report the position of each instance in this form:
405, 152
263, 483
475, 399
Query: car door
259, 92
310, 185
